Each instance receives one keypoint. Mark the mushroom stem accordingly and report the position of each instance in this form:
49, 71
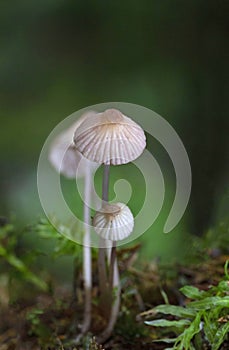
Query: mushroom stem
106, 175
115, 306
113, 259
103, 279
114, 282
87, 273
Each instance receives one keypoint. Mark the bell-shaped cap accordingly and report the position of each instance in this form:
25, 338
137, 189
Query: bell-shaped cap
110, 138
64, 156
113, 221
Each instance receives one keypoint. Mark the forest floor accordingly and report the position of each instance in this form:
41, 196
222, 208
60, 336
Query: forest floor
49, 321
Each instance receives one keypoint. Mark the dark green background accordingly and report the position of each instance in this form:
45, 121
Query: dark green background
58, 56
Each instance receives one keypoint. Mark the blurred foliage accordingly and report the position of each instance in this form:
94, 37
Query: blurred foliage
203, 320
59, 56
22, 260
37, 328
15, 263
214, 242
61, 244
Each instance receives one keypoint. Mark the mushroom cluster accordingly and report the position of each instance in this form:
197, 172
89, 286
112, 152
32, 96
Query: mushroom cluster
107, 138
110, 138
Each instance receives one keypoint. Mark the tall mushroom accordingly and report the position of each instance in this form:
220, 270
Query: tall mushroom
110, 138
69, 162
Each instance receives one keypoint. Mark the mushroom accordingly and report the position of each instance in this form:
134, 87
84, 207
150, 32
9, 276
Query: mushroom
113, 221
63, 154
69, 162
110, 138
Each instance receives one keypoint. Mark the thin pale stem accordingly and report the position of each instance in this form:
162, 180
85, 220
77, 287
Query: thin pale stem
106, 175
103, 279
87, 273
115, 306
114, 281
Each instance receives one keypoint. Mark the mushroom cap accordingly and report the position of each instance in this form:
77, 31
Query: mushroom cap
110, 138
113, 221
64, 156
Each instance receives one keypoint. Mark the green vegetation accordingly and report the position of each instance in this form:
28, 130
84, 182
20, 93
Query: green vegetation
58, 57
205, 319
50, 314
17, 265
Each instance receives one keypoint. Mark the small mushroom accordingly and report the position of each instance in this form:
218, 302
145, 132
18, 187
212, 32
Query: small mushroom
64, 156
114, 221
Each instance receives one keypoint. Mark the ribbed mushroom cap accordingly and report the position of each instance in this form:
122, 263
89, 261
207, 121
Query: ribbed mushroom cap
110, 138
113, 221
64, 156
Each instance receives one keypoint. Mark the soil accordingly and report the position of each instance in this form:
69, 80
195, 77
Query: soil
50, 321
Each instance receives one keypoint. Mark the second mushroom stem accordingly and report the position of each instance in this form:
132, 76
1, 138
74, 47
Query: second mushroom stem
114, 281
87, 270
103, 280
